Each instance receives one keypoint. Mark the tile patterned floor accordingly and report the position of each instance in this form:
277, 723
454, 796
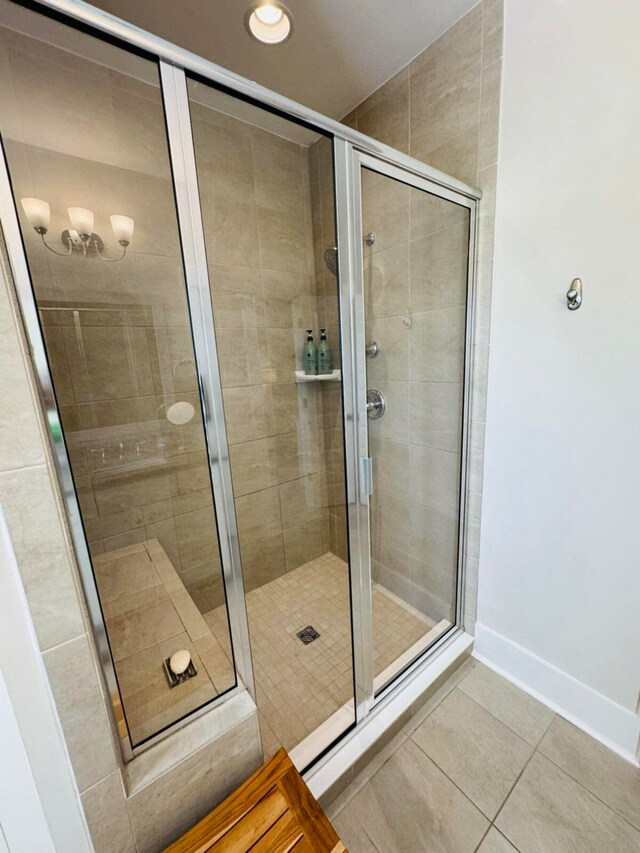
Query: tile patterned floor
485, 767
298, 687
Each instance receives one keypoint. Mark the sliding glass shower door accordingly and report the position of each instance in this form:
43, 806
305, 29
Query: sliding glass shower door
266, 192
412, 295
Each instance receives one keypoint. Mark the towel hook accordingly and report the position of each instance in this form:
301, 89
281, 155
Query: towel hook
574, 295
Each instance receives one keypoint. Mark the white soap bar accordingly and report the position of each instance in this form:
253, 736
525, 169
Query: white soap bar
179, 661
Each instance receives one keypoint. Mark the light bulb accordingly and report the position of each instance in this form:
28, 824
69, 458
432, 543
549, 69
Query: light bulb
270, 22
122, 228
81, 219
38, 213
268, 15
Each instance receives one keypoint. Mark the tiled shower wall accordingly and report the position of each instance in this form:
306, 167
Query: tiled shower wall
256, 205
443, 109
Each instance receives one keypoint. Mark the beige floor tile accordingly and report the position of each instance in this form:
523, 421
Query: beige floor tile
353, 835
495, 842
410, 805
422, 712
478, 752
367, 772
604, 773
548, 812
522, 713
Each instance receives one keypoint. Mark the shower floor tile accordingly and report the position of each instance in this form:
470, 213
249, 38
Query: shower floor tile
149, 615
299, 686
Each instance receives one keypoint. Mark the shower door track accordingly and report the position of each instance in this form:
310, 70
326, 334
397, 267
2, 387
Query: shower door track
351, 150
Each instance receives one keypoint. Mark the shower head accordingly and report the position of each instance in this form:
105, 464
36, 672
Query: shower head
331, 259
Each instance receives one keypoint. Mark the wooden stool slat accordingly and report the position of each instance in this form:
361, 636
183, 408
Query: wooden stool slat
272, 812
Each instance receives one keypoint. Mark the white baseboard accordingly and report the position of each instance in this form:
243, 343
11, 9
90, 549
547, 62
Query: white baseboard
614, 726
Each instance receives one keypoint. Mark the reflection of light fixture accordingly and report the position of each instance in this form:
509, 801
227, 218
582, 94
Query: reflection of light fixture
269, 21
80, 237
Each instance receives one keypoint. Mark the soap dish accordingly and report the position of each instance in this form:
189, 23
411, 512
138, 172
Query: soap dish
173, 678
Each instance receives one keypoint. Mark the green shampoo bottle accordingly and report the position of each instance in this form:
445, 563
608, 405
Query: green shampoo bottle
324, 354
310, 357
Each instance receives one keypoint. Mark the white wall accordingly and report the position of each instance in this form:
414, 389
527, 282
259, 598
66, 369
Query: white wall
559, 595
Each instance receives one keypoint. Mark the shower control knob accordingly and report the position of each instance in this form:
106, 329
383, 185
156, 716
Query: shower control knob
376, 404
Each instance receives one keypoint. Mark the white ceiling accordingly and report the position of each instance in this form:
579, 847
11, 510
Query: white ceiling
340, 50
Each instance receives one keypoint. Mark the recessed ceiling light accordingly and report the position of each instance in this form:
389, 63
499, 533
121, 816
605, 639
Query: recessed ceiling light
269, 22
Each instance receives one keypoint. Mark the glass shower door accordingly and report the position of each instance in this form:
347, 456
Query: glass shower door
266, 191
415, 267
94, 196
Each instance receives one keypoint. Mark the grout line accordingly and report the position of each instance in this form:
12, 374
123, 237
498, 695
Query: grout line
401, 743
21, 468
455, 784
533, 751
547, 727
512, 730
584, 787
45, 652
497, 814
486, 832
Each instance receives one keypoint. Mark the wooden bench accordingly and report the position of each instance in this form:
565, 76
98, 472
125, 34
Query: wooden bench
272, 812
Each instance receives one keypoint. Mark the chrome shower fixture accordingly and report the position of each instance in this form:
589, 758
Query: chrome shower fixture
331, 259
331, 255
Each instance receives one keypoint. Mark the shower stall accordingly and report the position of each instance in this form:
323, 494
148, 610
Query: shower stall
174, 231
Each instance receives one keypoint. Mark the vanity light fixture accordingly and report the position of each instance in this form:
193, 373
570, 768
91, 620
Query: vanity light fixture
269, 22
81, 236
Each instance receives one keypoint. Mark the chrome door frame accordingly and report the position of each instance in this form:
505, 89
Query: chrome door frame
351, 219
350, 147
175, 98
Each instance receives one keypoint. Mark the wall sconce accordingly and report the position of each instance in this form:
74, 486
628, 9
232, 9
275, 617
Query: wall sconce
80, 237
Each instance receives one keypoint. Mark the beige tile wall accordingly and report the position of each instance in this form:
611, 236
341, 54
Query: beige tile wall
256, 206
443, 109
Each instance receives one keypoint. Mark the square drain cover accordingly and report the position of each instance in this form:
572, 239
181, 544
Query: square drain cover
308, 635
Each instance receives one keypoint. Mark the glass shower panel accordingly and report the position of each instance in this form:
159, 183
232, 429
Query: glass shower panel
267, 195
415, 292
85, 142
